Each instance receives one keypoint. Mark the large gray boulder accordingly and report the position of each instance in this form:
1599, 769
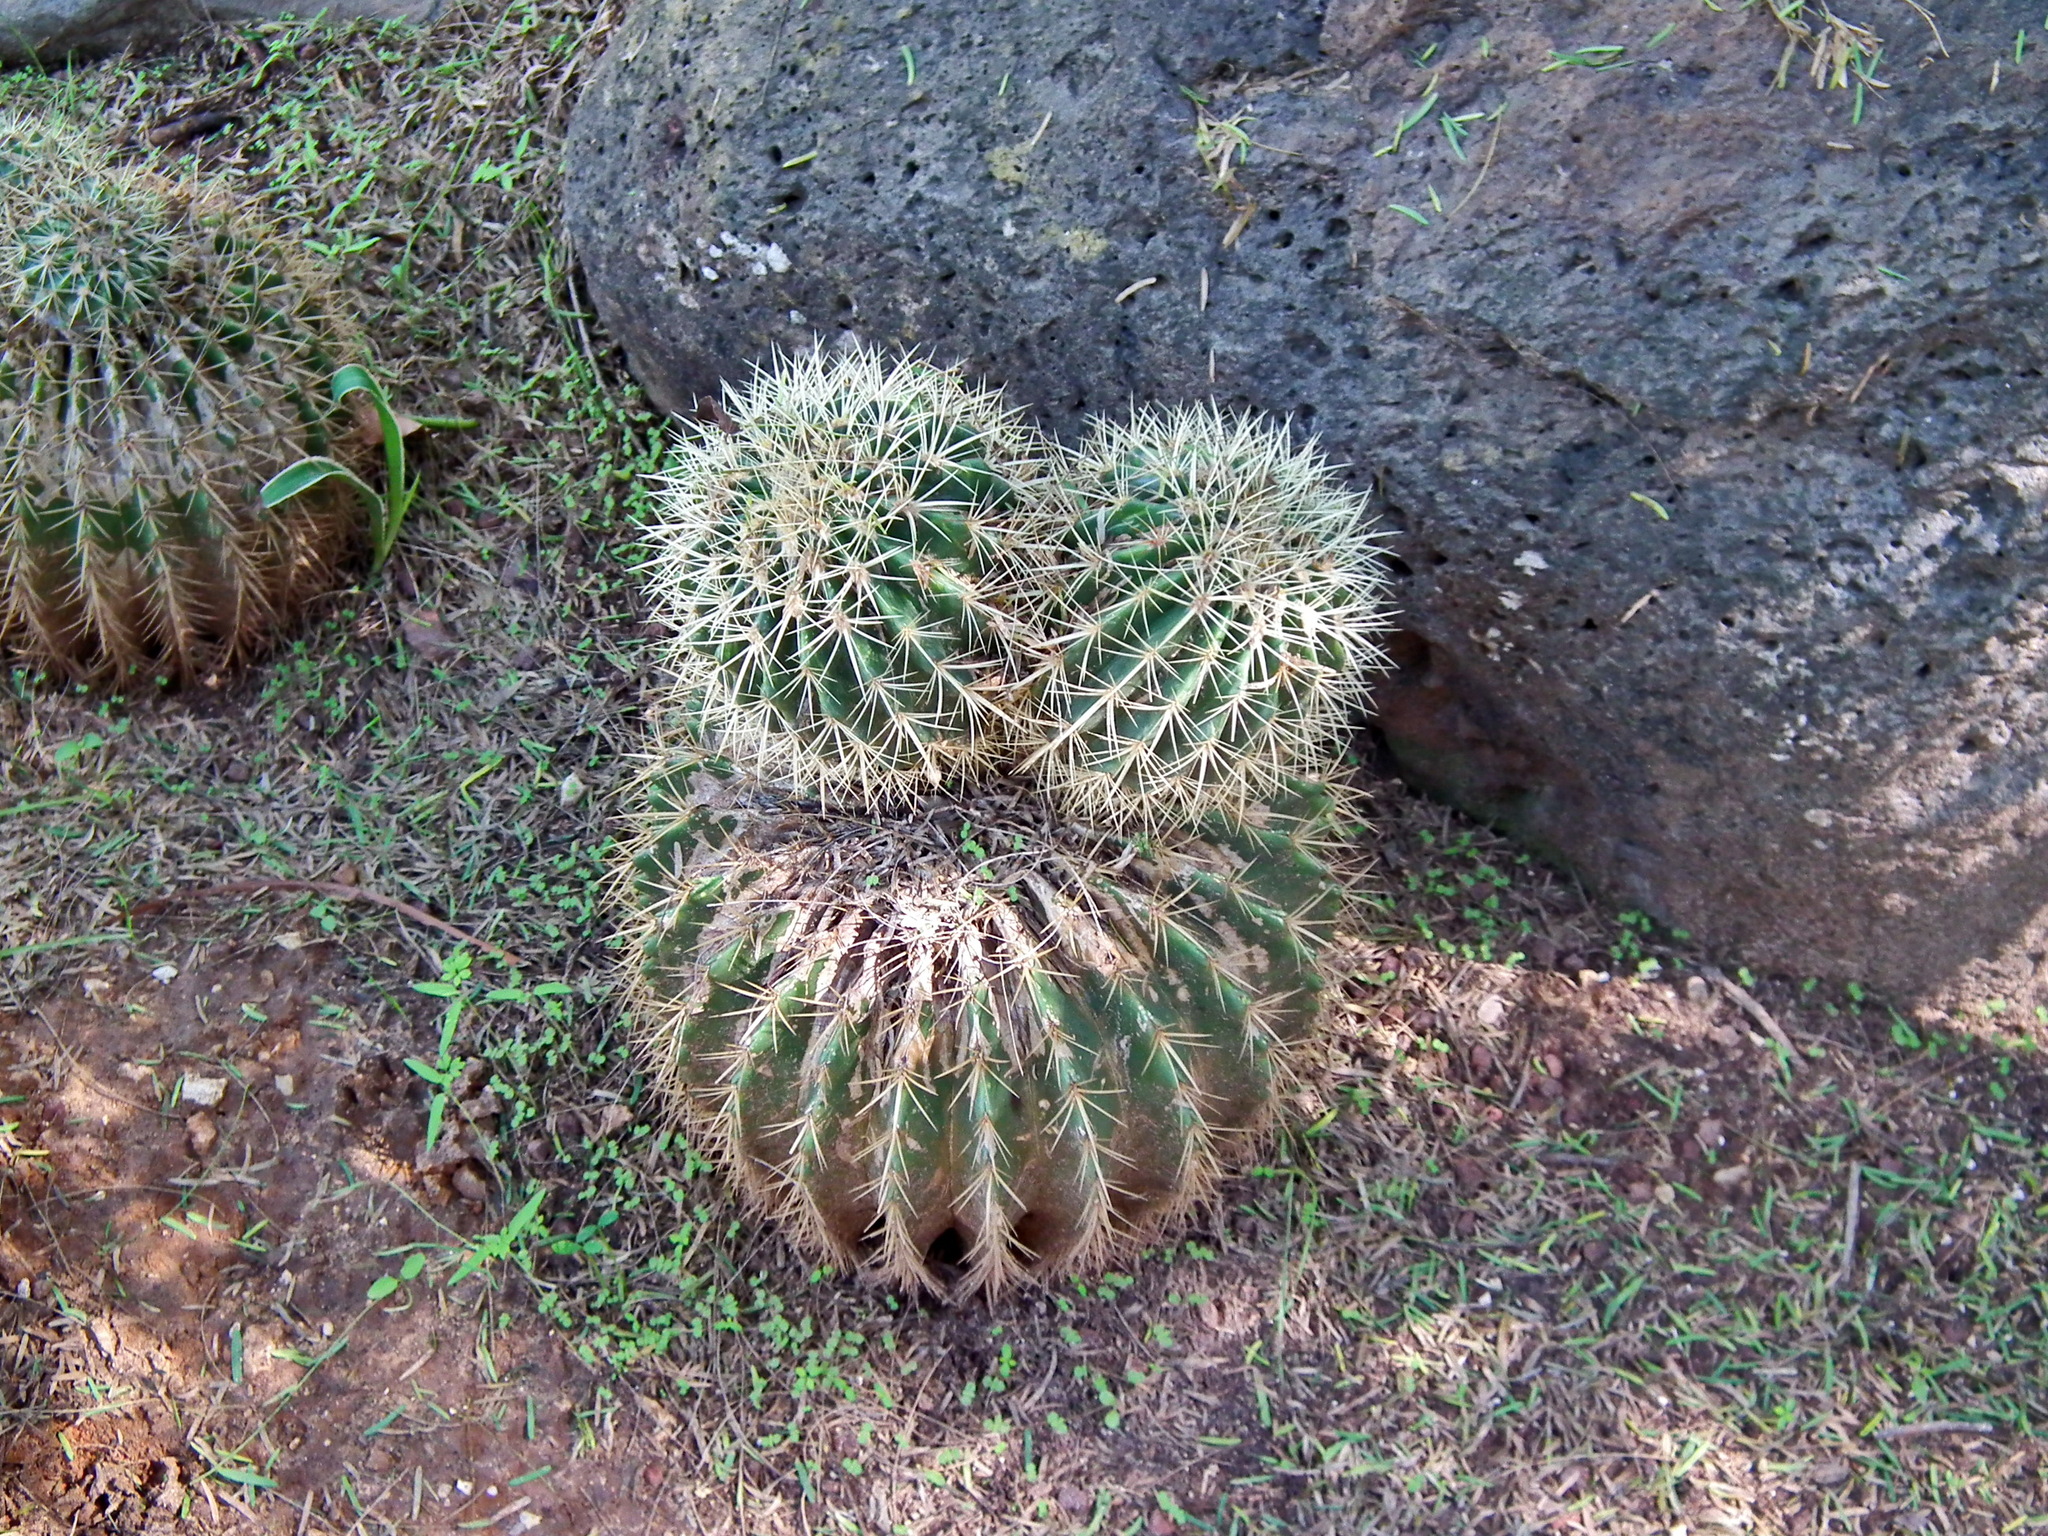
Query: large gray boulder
1712, 421
50, 31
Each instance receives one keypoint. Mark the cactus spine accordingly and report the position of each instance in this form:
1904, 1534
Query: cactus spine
840, 570
1215, 623
162, 356
975, 1021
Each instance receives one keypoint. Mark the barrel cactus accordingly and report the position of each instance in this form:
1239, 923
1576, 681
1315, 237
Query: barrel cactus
1214, 622
162, 355
973, 1039
841, 568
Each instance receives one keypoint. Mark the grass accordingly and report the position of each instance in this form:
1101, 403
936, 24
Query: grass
1449, 1298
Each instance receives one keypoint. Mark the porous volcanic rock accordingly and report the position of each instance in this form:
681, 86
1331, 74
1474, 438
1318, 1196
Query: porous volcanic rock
49, 31
1710, 414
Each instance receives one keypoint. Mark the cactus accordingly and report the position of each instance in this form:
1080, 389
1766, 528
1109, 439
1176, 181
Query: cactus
840, 568
163, 355
1215, 624
973, 1034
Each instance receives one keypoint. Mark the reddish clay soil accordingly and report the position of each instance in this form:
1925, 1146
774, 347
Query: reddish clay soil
207, 1264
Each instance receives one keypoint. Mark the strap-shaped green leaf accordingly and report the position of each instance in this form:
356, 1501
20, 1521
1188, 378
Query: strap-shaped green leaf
306, 474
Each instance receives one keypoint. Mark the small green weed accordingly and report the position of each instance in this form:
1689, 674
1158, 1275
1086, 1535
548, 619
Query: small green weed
387, 511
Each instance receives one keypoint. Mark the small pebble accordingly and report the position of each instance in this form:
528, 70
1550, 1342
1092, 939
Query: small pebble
469, 1183
236, 771
206, 1092
202, 1135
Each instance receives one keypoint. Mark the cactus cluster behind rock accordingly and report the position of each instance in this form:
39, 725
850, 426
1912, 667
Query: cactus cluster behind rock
981, 897
162, 354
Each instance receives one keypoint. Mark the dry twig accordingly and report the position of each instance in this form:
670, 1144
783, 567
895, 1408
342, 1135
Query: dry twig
1756, 1010
335, 890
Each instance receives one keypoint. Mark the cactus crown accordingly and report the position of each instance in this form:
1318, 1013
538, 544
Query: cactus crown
1216, 623
161, 356
977, 1033
840, 570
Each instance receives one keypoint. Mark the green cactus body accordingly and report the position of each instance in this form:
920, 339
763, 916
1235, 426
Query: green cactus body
972, 1020
162, 357
1216, 623
840, 570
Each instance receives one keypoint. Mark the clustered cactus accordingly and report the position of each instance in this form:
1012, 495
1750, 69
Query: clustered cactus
162, 355
841, 572
1215, 624
981, 894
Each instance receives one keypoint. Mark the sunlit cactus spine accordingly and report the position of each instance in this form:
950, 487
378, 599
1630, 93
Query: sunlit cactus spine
840, 562
162, 355
1216, 621
973, 1044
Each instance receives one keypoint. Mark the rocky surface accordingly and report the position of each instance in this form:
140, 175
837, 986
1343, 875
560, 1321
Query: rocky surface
1710, 415
49, 31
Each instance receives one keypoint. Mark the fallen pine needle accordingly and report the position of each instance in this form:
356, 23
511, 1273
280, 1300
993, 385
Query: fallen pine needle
1637, 606
1933, 1427
1868, 374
